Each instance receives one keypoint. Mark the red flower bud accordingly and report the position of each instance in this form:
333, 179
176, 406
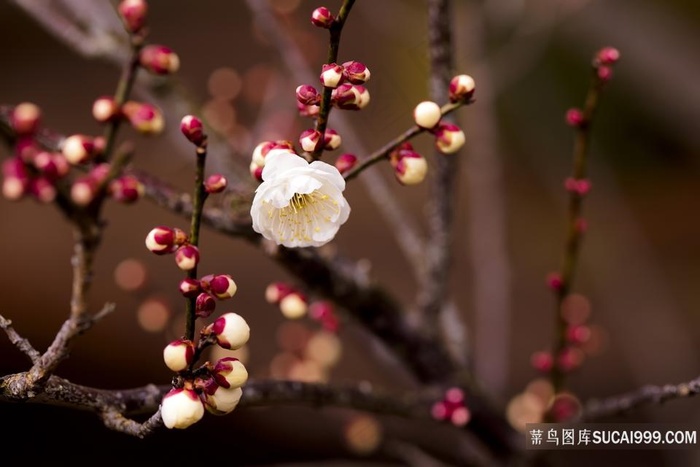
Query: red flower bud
322, 17
345, 162
133, 13
159, 59
193, 129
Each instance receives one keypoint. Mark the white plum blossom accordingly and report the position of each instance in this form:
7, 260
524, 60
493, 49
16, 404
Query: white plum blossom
299, 204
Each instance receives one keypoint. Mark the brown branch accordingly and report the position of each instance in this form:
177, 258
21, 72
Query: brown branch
22, 344
433, 291
334, 44
646, 395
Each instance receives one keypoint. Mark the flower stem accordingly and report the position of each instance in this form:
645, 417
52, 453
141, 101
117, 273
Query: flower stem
383, 152
198, 197
325, 108
574, 234
124, 86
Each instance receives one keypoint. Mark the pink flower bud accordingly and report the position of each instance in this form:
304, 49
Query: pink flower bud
578, 334
356, 72
307, 95
159, 59
581, 187
350, 96
263, 148
178, 354
564, 407
187, 257
256, 171
126, 189
461, 88
277, 291
542, 361
25, 119
449, 138
190, 287
215, 183
161, 240
427, 114
331, 140
309, 139
78, 149
133, 13
231, 331
322, 18
204, 305
222, 400
105, 109
193, 129
569, 359
52, 166
608, 56
181, 408
308, 110
293, 306
144, 118
574, 117
83, 190
554, 281
222, 286
42, 189
26, 148
322, 311
604, 73
229, 372
15, 179
411, 168
331, 75
345, 162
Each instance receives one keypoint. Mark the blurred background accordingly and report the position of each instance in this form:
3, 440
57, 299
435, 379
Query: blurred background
530, 59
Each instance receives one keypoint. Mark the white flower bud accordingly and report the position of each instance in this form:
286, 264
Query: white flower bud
449, 138
461, 88
427, 114
293, 306
411, 169
331, 75
181, 408
229, 372
223, 400
231, 331
178, 354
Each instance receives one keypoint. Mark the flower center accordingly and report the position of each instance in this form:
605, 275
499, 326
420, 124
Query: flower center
306, 214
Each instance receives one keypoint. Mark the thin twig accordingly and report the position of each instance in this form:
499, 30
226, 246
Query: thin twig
647, 395
18, 341
574, 224
334, 44
383, 152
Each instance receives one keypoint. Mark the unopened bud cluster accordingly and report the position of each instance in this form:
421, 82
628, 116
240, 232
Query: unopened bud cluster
213, 387
210, 387
345, 80
452, 408
34, 171
572, 355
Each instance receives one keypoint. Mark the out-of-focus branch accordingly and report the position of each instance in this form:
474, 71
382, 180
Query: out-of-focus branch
432, 294
647, 395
